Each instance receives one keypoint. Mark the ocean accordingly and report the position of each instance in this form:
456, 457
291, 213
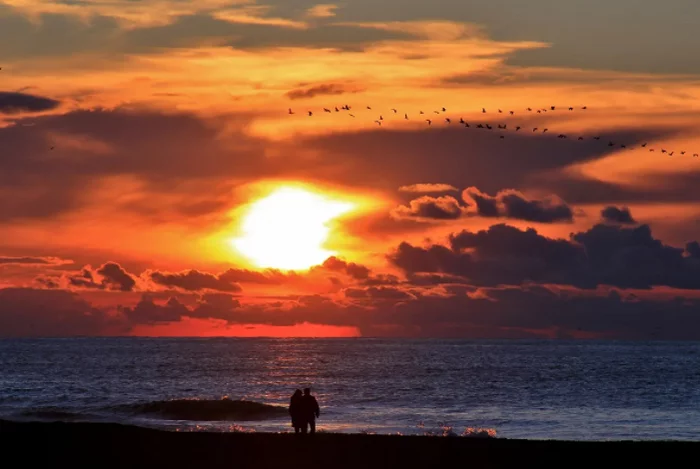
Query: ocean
567, 390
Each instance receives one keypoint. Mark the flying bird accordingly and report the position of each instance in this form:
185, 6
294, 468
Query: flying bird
663, 151
500, 112
671, 154
596, 138
381, 118
553, 108
512, 113
483, 110
311, 113
422, 112
580, 138
611, 144
517, 128
535, 129
489, 127
379, 122
539, 112
447, 119
529, 109
336, 109
369, 108
429, 121
290, 111
695, 155
545, 131
436, 112
571, 109
326, 110
351, 115
461, 120
444, 110
394, 110
584, 107
682, 153
644, 145
405, 116
503, 136
480, 126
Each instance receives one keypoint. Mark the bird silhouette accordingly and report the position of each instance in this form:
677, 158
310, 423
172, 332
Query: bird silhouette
644, 145
553, 108
311, 113
405, 116
503, 136
489, 127
500, 112
381, 118
671, 154
539, 112
336, 109
584, 107
596, 138
461, 120
571, 109
483, 110
351, 115
480, 126
580, 138
529, 109
421, 112
695, 155
682, 153
466, 124
623, 146
51, 148
290, 111
394, 110
651, 149
447, 119
444, 110
512, 113
663, 151
611, 144
545, 131
369, 108
517, 128
429, 121
436, 112
326, 110
535, 129
378, 122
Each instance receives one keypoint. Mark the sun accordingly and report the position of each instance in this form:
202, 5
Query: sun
288, 229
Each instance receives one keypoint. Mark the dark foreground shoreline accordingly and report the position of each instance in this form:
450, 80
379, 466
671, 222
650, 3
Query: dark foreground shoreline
98, 445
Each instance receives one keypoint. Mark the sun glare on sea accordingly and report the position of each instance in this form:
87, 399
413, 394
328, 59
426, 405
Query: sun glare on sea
288, 229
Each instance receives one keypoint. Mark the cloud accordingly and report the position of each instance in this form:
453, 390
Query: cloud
327, 89
430, 208
16, 103
26, 312
356, 271
614, 214
115, 277
427, 188
603, 255
33, 261
324, 10
256, 14
514, 205
194, 280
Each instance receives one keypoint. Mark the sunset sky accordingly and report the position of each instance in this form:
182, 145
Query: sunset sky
153, 181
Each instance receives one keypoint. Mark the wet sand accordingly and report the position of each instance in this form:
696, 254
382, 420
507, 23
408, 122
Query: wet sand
97, 445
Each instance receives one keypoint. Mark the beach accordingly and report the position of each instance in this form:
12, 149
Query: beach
115, 445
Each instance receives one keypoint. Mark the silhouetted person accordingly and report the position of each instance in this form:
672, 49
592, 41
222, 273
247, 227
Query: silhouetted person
309, 411
295, 408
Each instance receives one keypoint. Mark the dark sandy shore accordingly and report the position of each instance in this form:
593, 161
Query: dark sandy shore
107, 445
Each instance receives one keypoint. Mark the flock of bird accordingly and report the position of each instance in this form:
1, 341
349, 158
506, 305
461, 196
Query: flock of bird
504, 126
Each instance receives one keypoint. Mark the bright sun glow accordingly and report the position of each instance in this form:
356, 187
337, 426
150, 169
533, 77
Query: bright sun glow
288, 229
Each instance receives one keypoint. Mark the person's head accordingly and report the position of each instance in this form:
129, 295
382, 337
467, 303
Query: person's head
297, 393
307, 391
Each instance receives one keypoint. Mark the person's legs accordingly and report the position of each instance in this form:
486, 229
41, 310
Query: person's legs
304, 427
312, 424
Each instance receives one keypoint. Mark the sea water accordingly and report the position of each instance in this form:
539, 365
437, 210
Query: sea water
575, 390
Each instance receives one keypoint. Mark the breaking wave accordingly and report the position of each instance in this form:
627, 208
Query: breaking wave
204, 409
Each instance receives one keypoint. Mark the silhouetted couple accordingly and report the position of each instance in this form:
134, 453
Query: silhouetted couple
303, 408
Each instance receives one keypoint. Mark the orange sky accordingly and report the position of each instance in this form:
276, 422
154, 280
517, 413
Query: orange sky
138, 144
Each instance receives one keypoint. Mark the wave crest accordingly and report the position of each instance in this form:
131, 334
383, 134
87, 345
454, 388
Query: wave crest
204, 409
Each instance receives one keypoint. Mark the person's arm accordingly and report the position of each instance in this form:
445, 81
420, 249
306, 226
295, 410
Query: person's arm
317, 410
